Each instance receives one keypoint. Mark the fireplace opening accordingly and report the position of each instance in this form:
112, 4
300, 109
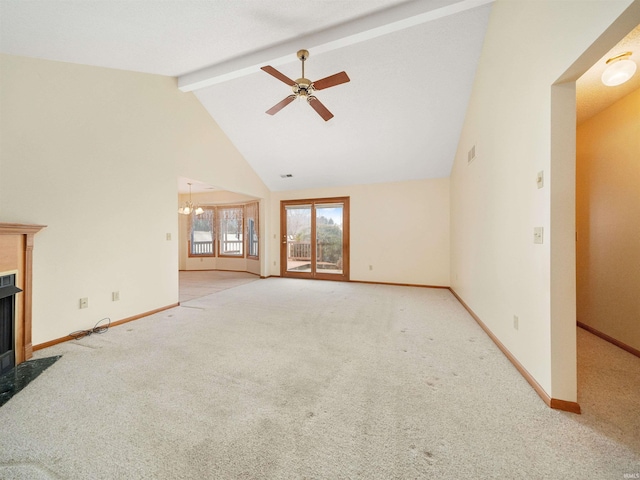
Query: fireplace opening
8, 291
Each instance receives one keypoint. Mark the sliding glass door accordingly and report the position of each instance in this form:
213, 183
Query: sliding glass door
315, 238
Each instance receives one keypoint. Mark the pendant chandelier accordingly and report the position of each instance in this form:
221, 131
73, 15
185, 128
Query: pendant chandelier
189, 207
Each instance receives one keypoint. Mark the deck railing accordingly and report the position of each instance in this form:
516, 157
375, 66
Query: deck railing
299, 251
231, 247
201, 248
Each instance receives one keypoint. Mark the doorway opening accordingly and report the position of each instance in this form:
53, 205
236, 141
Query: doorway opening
607, 202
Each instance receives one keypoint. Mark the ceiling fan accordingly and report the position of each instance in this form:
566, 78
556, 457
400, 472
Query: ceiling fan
304, 88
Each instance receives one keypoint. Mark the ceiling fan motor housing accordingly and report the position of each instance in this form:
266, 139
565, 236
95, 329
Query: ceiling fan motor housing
303, 87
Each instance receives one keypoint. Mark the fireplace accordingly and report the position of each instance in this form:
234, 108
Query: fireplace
8, 291
16, 258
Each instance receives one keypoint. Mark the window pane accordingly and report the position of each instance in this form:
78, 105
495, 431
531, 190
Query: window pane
251, 215
202, 233
231, 237
329, 238
253, 238
299, 238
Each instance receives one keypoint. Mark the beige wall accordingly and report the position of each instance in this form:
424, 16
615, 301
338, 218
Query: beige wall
520, 124
608, 221
95, 154
401, 229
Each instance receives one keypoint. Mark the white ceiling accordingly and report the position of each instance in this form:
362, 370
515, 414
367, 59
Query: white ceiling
411, 65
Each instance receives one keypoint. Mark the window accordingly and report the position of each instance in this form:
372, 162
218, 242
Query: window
223, 230
253, 229
202, 233
230, 231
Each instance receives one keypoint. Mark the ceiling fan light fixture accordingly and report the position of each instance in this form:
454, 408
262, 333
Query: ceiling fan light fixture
305, 88
620, 69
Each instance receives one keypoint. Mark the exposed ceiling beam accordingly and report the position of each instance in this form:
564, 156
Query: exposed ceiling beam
364, 28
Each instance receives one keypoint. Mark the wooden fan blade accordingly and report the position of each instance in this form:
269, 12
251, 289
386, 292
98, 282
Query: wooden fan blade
331, 81
279, 106
320, 108
280, 76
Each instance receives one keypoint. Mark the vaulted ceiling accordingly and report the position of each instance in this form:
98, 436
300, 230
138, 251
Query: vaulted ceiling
411, 66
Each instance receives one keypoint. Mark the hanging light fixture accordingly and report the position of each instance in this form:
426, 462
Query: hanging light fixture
189, 207
621, 68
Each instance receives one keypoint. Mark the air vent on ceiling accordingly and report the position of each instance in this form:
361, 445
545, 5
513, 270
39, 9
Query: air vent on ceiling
471, 154
286, 175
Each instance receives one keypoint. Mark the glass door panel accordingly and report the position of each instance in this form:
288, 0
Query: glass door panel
298, 238
329, 246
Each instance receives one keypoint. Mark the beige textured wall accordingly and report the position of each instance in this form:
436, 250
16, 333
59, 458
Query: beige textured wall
521, 124
608, 221
400, 228
95, 154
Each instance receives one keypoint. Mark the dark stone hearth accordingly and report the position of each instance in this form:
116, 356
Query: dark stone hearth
12, 382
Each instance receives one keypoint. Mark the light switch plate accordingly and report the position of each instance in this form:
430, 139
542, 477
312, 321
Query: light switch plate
540, 179
538, 235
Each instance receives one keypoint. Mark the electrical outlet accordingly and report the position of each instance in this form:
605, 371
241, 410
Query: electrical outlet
84, 302
168, 237
515, 322
115, 296
370, 267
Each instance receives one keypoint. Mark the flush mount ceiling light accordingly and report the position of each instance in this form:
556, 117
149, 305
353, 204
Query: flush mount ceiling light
620, 69
189, 207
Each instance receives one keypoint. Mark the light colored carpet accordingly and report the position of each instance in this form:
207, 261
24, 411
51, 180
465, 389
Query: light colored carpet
293, 379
